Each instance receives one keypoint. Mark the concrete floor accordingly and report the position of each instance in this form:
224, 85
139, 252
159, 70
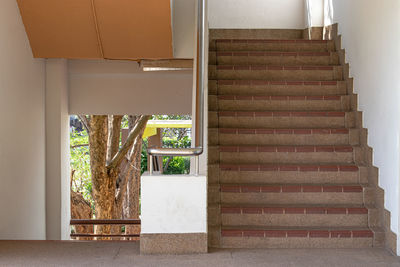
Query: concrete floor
54, 253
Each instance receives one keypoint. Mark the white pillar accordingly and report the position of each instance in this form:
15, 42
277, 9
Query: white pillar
57, 150
314, 13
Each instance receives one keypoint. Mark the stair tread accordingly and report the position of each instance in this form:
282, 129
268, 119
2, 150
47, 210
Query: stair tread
228, 97
292, 184
298, 231
280, 112
270, 53
308, 228
265, 130
302, 67
300, 40
251, 205
298, 165
290, 82
335, 146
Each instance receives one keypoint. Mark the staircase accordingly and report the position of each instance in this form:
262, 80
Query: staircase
286, 164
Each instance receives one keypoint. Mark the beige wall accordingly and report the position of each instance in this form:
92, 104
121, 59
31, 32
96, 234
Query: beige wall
120, 87
256, 14
22, 135
370, 36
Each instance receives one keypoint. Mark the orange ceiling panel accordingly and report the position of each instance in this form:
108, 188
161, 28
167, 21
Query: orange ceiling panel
135, 28
60, 28
114, 29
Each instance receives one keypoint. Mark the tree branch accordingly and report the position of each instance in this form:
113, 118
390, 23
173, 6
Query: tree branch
114, 135
140, 125
81, 145
128, 171
85, 121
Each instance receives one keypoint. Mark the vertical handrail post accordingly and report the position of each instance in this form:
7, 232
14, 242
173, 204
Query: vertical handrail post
151, 164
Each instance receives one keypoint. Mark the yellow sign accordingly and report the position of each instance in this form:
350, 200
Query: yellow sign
153, 125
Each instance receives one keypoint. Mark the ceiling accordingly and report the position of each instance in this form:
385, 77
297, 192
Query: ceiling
98, 29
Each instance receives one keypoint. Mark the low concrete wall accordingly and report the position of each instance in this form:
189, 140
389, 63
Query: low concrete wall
173, 208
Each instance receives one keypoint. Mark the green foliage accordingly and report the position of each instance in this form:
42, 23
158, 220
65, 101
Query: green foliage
144, 156
178, 165
80, 163
184, 142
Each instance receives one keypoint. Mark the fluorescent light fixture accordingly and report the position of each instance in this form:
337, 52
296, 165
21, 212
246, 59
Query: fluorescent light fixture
164, 69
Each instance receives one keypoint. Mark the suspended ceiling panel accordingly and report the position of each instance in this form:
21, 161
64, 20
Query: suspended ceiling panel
93, 29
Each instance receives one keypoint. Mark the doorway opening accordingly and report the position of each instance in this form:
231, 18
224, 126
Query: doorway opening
108, 156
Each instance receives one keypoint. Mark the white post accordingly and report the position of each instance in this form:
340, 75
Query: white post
57, 151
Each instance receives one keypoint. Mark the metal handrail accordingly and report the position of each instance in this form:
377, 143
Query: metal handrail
104, 222
92, 222
199, 136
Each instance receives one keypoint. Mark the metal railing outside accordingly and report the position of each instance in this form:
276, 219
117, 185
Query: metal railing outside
93, 222
199, 135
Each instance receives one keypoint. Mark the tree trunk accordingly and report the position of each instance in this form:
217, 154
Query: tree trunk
103, 180
80, 209
108, 185
133, 188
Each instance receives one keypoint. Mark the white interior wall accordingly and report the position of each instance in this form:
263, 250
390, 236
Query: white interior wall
120, 87
22, 137
370, 36
256, 14
183, 27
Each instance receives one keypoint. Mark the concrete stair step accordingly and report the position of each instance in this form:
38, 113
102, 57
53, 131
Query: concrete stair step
294, 215
271, 194
242, 136
275, 73
280, 173
276, 103
284, 154
285, 34
299, 237
285, 88
274, 45
282, 119
273, 58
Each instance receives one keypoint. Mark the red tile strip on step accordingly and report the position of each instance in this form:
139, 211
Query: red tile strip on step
286, 149
290, 189
268, 67
281, 114
296, 168
298, 233
279, 41
283, 131
286, 83
294, 210
278, 98
276, 54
